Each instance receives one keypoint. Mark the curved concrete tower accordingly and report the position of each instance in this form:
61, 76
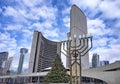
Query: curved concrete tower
78, 26
43, 52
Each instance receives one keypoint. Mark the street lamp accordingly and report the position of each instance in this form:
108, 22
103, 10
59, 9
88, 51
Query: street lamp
75, 49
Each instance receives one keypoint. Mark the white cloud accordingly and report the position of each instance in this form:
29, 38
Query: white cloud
47, 12
42, 26
110, 8
36, 25
46, 29
118, 24
13, 27
7, 43
36, 13
91, 4
106, 47
2, 45
51, 33
97, 27
100, 42
66, 11
27, 33
11, 11
14, 13
32, 3
66, 21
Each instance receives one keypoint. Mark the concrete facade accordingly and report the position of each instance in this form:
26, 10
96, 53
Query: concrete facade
43, 52
78, 26
109, 73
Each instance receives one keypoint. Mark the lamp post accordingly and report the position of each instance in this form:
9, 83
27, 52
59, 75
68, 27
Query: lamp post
75, 49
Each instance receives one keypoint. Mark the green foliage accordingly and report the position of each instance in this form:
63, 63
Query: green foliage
58, 73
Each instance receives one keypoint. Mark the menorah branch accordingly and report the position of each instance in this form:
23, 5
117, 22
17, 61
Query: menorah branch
90, 46
76, 45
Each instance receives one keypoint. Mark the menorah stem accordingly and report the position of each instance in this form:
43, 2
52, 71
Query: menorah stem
80, 71
70, 63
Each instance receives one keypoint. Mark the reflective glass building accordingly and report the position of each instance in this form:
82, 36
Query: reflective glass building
3, 57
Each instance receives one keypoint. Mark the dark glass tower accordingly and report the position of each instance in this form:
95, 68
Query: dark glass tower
3, 57
23, 51
95, 60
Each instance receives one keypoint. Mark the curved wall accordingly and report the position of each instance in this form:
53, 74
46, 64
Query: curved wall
109, 73
43, 52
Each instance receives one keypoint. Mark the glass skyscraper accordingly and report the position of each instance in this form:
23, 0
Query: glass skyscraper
95, 60
23, 51
3, 57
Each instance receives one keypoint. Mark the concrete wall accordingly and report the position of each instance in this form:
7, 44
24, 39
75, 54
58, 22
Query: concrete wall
110, 77
78, 26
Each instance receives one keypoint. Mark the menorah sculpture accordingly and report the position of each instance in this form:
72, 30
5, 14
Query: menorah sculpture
75, 49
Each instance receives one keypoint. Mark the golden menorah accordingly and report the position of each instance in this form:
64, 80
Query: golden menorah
75, 49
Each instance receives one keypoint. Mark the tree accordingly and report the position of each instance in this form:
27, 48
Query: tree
58, 73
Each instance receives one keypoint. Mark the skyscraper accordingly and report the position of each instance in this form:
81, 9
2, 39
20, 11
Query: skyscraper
3, 57
43, 52
78, 26
95, 60
7, 65
23, 51
103, 63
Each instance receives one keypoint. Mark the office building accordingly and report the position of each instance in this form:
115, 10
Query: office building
7, 64
43, 52
23, 52
103, 63
3, 57
95, 60
78, 26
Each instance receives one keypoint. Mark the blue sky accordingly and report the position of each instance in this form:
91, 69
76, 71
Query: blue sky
19, 18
